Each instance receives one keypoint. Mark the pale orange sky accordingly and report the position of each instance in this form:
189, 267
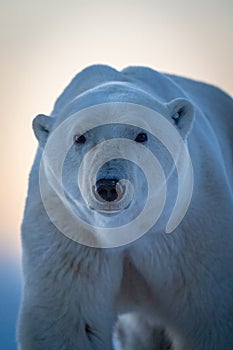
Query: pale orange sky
45, 43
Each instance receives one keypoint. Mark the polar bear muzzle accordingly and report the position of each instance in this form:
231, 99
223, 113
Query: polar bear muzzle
111, 195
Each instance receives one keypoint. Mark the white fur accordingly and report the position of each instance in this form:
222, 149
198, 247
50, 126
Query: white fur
73, 293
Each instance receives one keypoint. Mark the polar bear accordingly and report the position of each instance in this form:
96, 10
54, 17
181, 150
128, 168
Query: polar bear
161, 290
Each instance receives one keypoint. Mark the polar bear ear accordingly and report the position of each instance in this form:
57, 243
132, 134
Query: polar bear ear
42, 125
182, 113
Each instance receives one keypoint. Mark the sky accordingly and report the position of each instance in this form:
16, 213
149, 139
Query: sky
45, 43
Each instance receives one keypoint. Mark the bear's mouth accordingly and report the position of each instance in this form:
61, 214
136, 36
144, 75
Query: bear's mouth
110, 195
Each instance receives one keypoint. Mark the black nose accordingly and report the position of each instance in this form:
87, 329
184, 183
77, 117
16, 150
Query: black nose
106, 188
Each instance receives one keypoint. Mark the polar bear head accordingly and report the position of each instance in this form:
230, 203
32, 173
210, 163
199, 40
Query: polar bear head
97, 147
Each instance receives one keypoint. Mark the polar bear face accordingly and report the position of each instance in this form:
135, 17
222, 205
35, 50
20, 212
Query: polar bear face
107, 147
110, 189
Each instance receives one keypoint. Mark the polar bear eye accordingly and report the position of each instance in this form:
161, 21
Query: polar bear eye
142, 137
79, 139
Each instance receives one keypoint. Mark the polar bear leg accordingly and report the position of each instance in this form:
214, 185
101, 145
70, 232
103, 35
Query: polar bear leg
51, 330
70, 311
